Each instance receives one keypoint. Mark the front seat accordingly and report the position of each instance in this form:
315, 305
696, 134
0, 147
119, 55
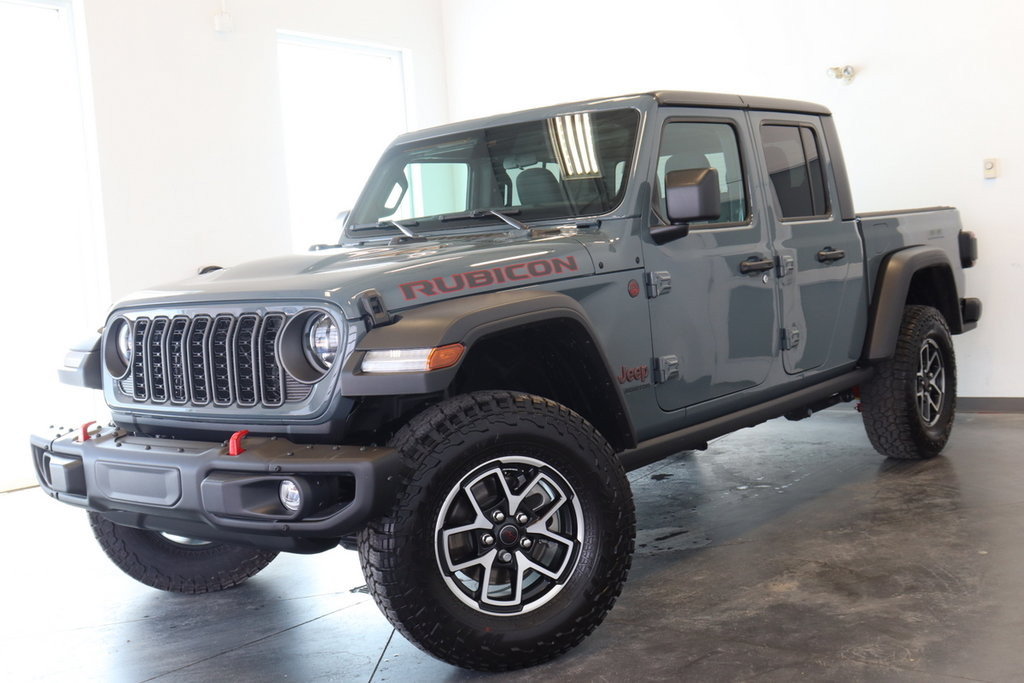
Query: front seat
538, 186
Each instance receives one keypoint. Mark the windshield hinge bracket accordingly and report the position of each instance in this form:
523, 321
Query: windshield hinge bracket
372, 309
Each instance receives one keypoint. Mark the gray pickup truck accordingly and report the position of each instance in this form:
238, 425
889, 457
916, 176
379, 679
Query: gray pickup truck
520, 309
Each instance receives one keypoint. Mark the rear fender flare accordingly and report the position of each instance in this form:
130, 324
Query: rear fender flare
894, 279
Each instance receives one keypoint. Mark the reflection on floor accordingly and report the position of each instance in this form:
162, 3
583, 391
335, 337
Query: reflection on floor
789, 551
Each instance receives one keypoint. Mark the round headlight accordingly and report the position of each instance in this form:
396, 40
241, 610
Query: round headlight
123, 341
324, 339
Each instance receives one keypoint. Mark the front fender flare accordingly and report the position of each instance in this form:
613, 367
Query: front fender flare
464, 320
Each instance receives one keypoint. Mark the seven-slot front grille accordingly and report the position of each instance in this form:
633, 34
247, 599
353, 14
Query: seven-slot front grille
219, 360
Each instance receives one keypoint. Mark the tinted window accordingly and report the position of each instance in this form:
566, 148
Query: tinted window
687, 145
794, 166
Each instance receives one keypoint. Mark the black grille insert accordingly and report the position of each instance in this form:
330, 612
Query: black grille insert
224, 360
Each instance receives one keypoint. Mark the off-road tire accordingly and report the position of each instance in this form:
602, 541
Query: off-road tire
157, 561
443, 448
896, 424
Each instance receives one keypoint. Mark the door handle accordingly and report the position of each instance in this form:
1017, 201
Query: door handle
828, 254
756, 264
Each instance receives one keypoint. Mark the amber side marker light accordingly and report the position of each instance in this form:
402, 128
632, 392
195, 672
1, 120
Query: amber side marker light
444, 356
412, 360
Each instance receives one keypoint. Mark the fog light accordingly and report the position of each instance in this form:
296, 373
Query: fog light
291, 496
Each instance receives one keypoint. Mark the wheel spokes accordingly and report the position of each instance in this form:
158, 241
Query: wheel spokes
930, 383
508, 535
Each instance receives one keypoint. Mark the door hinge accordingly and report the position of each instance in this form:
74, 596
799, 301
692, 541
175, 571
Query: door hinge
658, 282
783, 266
665, 368
790, 338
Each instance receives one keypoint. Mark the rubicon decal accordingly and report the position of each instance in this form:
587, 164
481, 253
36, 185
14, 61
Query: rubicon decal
472, 279
637, 374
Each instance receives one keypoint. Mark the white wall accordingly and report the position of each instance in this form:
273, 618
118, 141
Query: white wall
938, 89
188, 121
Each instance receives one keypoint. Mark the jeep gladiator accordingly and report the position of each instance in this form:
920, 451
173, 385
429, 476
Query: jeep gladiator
520, 309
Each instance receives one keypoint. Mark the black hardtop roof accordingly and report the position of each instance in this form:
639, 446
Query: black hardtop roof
707, 99
678, 98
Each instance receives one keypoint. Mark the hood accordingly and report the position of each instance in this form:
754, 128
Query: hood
409, 274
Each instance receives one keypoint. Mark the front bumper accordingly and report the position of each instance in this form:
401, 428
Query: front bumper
196, 489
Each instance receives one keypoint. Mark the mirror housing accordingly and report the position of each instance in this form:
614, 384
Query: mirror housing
690, 195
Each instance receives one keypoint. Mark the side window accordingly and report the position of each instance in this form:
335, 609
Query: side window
794, 166
686, 145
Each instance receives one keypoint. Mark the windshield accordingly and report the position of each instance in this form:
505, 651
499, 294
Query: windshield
564, 166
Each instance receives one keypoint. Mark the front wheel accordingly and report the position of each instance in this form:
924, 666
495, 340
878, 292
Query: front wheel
174, 563
511, 537
909, 404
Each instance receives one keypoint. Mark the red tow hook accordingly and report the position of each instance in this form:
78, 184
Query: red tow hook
235, 442
84, 435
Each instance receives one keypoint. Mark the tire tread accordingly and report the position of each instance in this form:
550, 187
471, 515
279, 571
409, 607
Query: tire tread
890, 416
151, 560
381, 546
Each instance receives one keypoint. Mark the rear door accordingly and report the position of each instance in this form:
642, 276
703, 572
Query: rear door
712, 293
820, 256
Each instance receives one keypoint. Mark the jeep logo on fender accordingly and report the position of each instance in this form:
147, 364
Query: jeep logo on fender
490, 276
637, 374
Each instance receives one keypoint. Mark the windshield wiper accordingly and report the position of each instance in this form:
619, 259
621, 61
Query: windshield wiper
388, 223
485, 213
404, 230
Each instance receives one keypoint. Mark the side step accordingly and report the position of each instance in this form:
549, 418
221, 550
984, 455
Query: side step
695, 437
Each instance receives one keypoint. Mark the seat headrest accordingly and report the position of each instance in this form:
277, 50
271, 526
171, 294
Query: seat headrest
538, 186
686, 160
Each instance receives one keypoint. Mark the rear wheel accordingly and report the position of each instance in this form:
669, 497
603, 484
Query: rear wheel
910, 402
176, 563
511, 537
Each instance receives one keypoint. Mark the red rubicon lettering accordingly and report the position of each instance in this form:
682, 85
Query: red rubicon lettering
485, 278
425, 287
456, 285
560, 264
539, 268
479, 278
510, 271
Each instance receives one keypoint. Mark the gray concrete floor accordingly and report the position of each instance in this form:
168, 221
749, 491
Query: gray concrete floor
786, 552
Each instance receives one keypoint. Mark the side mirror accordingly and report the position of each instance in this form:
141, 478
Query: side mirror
690, 195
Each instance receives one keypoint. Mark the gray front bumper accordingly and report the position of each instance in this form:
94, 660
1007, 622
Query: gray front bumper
196, 489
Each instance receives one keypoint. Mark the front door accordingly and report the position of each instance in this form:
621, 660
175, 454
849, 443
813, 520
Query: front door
712, 293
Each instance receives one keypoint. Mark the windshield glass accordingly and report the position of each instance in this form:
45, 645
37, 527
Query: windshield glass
564, 166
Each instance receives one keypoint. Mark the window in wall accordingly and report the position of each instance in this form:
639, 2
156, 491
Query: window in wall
687, 145
794, 166
341, 105
53, 279
449, 185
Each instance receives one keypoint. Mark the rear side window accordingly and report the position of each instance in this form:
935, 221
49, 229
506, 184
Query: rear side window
698, 144
794, 166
